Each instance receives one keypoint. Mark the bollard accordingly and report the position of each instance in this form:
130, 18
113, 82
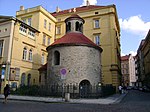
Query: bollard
67, 97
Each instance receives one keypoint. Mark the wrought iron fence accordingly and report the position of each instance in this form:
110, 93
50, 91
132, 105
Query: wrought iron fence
75, 90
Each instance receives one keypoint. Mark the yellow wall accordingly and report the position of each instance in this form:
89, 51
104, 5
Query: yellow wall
109, 41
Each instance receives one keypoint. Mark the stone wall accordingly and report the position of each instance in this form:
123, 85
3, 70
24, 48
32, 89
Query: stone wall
80, 62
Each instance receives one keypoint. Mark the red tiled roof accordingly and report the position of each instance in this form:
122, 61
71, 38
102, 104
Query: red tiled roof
74, 16
43, 68
83, 8
74, 38
125, 58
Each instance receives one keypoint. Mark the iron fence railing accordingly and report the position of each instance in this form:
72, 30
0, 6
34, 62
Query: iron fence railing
76, 91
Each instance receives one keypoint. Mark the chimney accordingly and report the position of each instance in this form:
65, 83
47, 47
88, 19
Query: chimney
87, 3
21, 8
58, 9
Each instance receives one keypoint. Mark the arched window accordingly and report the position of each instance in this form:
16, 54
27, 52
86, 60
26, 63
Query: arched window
24, 53
77, 26
30, 55
23, 78
56, 58
29, 80
81, 27
69, 26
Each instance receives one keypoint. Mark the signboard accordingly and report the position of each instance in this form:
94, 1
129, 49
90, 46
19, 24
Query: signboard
63, 73
3, 73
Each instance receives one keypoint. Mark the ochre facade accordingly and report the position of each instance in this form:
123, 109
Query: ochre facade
101, 26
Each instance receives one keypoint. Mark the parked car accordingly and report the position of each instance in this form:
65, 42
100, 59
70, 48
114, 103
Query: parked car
146, 89
129, 87
140, 89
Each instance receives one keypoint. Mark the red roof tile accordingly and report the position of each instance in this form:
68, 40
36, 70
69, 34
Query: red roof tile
73, 16
75, 38
125, 58
83, 8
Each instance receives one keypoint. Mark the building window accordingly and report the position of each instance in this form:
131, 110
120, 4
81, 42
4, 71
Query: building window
24, 20
42, 60
48, 41
31, 34
30, 55
96, 23
45, 22
58, 30
97, 39
23, 78
1, 47
56, 58
29, 80
49, 27
77, 26
44, 39
29, 21
5, 30
24, 53
23, 29
96, 12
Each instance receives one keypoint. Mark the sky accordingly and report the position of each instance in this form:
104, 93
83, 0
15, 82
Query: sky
133, 16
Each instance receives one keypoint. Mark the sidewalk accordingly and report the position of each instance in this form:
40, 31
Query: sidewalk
116, 98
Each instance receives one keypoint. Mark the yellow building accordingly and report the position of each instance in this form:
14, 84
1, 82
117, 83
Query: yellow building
23, 43
35, 29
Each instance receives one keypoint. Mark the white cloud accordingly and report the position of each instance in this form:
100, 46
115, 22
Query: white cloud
133, 53
135, 25
92, 2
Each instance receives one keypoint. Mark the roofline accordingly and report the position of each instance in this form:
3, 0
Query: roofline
74, 44
30, 27
8, 18
103, 7
40, 9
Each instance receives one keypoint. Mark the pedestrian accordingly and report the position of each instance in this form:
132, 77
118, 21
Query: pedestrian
120, 89
6, 92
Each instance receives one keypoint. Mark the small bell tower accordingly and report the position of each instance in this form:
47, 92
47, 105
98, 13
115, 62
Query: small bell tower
74, 24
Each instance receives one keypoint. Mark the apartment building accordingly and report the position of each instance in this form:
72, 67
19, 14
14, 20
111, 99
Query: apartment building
128, 70
143, 62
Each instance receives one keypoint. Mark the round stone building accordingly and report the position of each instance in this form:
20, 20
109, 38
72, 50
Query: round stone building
74, 59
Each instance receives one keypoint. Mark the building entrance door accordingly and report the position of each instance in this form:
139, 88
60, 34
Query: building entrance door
84, 88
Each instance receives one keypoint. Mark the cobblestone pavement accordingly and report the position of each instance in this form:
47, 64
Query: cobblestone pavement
116, 98
134, 101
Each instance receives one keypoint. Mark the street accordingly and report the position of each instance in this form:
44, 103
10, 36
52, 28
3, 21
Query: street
135, 101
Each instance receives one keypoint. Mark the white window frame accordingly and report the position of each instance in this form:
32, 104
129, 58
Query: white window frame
24, 53
29, 21
45, 23
96, 23
23, 30
58, 29
31, 34
30, 55
48, 41
97, 39
49, 27
44, 39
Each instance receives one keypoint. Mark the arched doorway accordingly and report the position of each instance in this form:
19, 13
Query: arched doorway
84, 88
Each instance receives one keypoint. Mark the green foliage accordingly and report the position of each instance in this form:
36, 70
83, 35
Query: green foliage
27, 90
